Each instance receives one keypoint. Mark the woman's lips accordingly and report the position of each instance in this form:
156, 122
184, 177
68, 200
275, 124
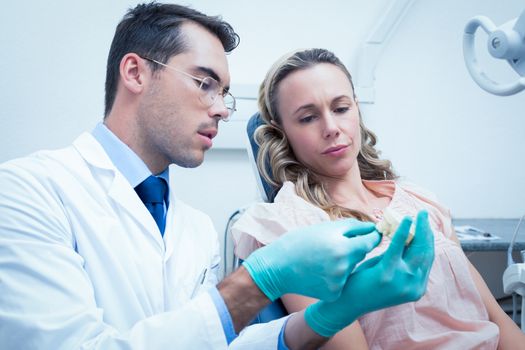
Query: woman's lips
335, 150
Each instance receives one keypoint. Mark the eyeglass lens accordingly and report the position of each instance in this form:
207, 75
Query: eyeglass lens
211, 89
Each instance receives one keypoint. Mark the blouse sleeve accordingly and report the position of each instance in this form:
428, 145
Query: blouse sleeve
262, 223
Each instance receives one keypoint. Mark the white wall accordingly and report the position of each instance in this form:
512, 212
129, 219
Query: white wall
437, 126
433, 122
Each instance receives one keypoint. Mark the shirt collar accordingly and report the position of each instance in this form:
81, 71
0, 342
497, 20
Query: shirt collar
125, 160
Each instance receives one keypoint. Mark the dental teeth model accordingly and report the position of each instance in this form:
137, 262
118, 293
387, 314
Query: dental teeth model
388, 225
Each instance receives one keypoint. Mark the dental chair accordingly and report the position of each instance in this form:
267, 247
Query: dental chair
267, 192
276, 309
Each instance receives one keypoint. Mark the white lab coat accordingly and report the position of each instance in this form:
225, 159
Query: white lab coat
83, 264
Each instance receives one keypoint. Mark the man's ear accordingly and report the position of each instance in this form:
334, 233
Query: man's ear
134, 72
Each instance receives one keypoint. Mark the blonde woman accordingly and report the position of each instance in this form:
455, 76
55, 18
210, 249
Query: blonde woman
325, 166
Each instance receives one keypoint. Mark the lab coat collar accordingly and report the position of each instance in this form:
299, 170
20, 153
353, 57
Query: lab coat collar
92, 152
116, 185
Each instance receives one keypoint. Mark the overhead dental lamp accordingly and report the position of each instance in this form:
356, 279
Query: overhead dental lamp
505, 42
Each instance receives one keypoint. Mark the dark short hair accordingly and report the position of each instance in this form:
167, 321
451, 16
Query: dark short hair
153, 30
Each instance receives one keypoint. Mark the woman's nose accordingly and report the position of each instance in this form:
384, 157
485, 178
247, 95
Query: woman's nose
331, 128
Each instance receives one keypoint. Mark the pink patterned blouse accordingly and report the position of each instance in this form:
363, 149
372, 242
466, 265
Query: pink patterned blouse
451, 314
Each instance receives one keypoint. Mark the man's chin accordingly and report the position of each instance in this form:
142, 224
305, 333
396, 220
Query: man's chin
189, 162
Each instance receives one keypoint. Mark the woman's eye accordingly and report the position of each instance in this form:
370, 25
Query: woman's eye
340, 110
306, 119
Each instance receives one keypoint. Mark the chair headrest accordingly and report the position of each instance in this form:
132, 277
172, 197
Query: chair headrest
268, 191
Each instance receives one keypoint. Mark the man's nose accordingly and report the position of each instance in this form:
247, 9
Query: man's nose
218, 109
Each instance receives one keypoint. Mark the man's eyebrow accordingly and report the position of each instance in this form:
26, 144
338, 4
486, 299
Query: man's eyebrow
211, 73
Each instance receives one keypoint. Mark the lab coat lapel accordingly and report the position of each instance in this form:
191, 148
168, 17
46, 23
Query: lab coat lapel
116, 185
125, 196
174, 223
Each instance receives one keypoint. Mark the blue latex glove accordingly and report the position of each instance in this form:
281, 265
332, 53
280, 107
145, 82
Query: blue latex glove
314, 261
398, 276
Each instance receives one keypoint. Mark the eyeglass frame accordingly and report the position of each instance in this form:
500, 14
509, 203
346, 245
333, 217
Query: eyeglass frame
201, 81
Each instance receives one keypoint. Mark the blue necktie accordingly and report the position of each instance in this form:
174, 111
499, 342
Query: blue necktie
152, 191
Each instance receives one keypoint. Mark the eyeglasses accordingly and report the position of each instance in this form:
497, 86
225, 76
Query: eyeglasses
210, 89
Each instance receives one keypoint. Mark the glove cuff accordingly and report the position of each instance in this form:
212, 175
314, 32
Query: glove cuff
261, 277
316, 320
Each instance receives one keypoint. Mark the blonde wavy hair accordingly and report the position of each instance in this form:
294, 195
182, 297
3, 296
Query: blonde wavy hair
276, 160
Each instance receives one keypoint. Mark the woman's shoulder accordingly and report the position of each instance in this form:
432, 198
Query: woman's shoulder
267, 221
287, 196
288, 207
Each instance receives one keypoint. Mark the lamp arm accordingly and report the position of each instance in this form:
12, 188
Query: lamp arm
505, 42
519, 27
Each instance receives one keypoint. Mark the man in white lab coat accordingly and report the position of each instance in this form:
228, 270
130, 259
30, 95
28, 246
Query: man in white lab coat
90, 259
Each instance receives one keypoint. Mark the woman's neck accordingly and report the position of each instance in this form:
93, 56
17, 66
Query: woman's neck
350, 192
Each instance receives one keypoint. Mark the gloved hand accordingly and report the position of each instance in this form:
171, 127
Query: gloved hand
314, 261
398, 276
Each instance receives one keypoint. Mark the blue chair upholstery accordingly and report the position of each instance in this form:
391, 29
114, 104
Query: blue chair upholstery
271, 312
276, 309
268, 190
